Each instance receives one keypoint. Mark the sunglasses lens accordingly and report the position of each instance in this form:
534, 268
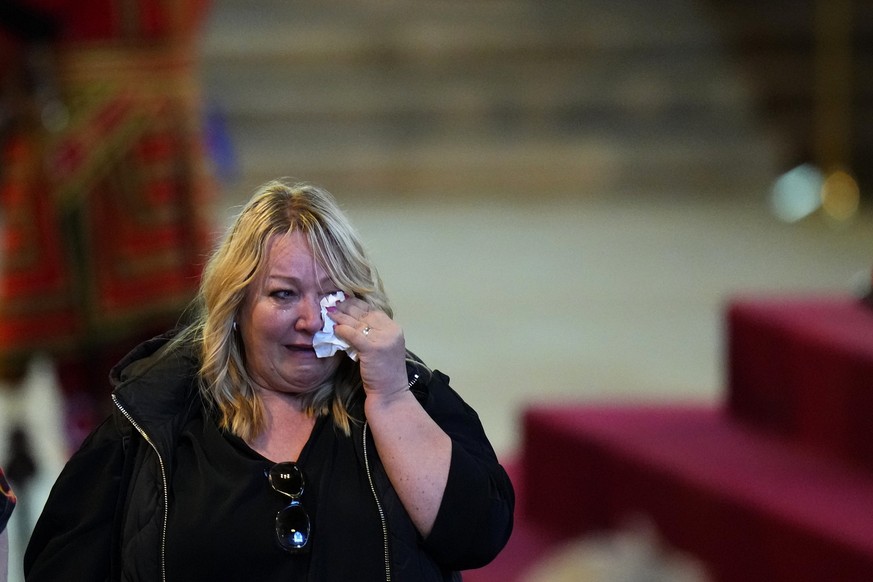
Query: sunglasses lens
287, 478
292, 527
292, 523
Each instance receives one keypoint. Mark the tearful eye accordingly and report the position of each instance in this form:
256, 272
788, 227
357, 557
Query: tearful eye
283, 294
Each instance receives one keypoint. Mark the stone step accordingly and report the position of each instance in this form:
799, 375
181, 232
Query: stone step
493, 95
360, 31
646, 84
509, 168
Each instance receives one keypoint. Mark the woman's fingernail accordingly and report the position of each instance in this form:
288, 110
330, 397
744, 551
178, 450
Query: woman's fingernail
331, 309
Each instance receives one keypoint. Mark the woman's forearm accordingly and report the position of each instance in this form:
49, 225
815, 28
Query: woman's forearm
415, 452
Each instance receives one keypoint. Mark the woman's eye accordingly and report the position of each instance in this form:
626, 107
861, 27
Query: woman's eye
283, 294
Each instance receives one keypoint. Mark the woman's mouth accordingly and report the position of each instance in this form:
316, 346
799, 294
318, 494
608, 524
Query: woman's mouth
301, 348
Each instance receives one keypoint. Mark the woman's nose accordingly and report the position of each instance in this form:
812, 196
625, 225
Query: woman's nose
309, 316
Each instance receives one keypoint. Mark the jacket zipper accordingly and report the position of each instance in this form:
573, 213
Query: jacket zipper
378, 507
163, 481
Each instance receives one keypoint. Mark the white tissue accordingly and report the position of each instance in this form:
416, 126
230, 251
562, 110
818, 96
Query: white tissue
325, 341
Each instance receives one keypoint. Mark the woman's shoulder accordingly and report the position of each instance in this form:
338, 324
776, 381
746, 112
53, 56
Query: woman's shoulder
165, 353
158, 380
430, 386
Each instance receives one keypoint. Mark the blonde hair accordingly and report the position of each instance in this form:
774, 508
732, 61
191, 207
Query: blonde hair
276, 208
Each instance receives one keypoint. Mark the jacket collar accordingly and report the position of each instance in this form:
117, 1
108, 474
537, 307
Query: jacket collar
156, 385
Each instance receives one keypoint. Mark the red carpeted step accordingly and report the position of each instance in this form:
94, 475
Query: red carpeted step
803, 367
753, 507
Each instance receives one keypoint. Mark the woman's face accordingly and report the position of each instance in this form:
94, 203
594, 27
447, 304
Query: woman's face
280, 316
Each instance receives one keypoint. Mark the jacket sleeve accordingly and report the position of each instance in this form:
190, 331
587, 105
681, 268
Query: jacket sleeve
475, 518
74, 531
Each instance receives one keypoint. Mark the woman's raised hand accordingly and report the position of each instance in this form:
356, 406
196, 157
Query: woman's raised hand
380, 344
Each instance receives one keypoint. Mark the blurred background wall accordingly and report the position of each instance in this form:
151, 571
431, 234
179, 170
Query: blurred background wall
561, 195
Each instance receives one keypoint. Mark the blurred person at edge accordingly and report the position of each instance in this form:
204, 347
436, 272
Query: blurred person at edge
104, 188
7, 504
239, 450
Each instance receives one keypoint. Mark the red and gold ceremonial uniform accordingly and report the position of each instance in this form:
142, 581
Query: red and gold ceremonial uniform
104, 184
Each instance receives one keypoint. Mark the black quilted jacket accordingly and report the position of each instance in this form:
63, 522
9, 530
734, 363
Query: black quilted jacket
105, 518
